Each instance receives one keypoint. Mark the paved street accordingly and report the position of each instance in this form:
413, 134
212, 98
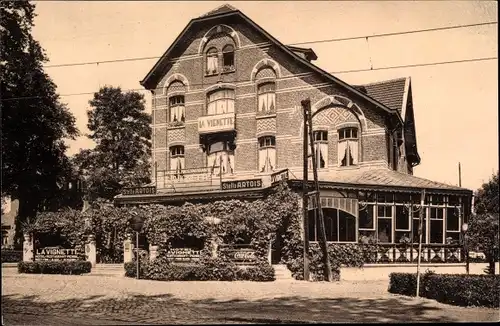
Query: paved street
100, 300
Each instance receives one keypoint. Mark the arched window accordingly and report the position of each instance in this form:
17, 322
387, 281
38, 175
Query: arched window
177, 162
267, 153
228, 58
266, 97
220, 102
348, 147
220, 157
177, 110
212, 61
320, 149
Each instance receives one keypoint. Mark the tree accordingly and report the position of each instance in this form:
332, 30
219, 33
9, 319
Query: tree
484, 224
34, 121
121, 130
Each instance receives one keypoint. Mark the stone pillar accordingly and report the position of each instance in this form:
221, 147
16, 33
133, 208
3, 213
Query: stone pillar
270, 251
28, 251
215, 246
153, 252
128, 247
91, 250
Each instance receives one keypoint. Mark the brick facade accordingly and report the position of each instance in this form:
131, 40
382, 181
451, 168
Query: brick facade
256, 58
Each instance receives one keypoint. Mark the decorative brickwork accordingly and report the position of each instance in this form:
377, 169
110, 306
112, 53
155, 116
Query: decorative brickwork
266, 125
176, 135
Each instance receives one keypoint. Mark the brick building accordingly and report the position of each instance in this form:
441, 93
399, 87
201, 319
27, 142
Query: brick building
227, 121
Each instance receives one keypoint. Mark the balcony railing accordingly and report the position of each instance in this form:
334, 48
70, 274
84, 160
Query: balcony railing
401, 254
203, 178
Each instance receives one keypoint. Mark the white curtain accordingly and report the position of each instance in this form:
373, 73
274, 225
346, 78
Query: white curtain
177, 165
353, 145
262, 103
342, 146
212, 64
323, 155
177, 113
267, 159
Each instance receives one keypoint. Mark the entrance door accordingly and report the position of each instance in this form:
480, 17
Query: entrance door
276, 248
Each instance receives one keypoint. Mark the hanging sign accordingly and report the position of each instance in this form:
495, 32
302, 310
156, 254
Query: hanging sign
149, 190
279, 176
242, 184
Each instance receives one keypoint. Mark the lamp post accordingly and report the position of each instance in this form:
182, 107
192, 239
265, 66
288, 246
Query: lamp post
136, 223
465, 227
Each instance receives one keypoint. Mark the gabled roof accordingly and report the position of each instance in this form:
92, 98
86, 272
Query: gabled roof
309, 53
391, 93
227, 11
220, 10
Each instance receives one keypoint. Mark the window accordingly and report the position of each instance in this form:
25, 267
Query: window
267, 97
436, 225
402, 218
320, 149
348, 147
267, 153
220, 158
384, 223
452, 225
177, 163
366, 218
228, 58
339, 226
212, 61
220, 102
176, 108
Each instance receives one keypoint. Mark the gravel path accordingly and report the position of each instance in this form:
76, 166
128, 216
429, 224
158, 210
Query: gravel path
98, 300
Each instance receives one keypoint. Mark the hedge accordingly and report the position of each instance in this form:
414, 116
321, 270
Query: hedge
55, 267
215, 269
454, 289
12, 256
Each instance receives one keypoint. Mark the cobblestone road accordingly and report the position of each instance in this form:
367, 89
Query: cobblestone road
98, 300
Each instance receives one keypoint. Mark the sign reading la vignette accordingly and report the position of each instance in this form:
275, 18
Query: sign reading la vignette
219, 122
279, 176
51, 253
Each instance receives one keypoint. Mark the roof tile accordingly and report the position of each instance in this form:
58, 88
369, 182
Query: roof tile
389, 92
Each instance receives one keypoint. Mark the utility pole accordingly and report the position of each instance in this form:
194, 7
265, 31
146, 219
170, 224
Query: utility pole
328, 271
459, 175
305, 210
421, 220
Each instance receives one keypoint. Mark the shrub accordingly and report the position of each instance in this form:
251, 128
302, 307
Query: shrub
459, 290
131, 269
262, 272
55, 267
12, 256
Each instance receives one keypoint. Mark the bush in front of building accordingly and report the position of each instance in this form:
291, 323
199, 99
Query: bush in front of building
11, 256
77, 267
454, 289
262, 272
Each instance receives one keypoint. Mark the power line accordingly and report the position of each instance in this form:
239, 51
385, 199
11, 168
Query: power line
292, 44
336, 72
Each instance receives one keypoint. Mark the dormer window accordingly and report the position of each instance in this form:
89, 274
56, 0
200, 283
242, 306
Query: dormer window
212, 61
228, 58
348, 147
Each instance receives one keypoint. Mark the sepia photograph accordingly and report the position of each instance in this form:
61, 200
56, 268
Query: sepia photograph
249, 162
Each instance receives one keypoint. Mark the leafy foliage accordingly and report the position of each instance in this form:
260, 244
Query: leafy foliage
121, 130
11, 256
34, 121
55, 267
460, 290
484, 227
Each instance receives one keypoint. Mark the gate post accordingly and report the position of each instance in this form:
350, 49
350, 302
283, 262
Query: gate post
153, 252
128, 247
90, 250
28, 250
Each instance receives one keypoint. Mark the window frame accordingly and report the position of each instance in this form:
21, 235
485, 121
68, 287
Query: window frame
337, 225
228, 68
391, 218
318, 141
229, 152
212, 52
347, 135
178, 155
226, 98
177, 105
264, 143
266, 93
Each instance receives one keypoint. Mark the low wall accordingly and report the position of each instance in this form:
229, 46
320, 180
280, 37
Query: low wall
380, 272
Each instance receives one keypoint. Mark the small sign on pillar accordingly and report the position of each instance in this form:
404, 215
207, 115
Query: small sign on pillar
91, 250
128, 248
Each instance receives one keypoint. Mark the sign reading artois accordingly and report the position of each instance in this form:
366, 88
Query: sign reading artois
214, 123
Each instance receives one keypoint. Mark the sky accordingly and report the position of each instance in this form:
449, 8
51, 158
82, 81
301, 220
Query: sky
456, 105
